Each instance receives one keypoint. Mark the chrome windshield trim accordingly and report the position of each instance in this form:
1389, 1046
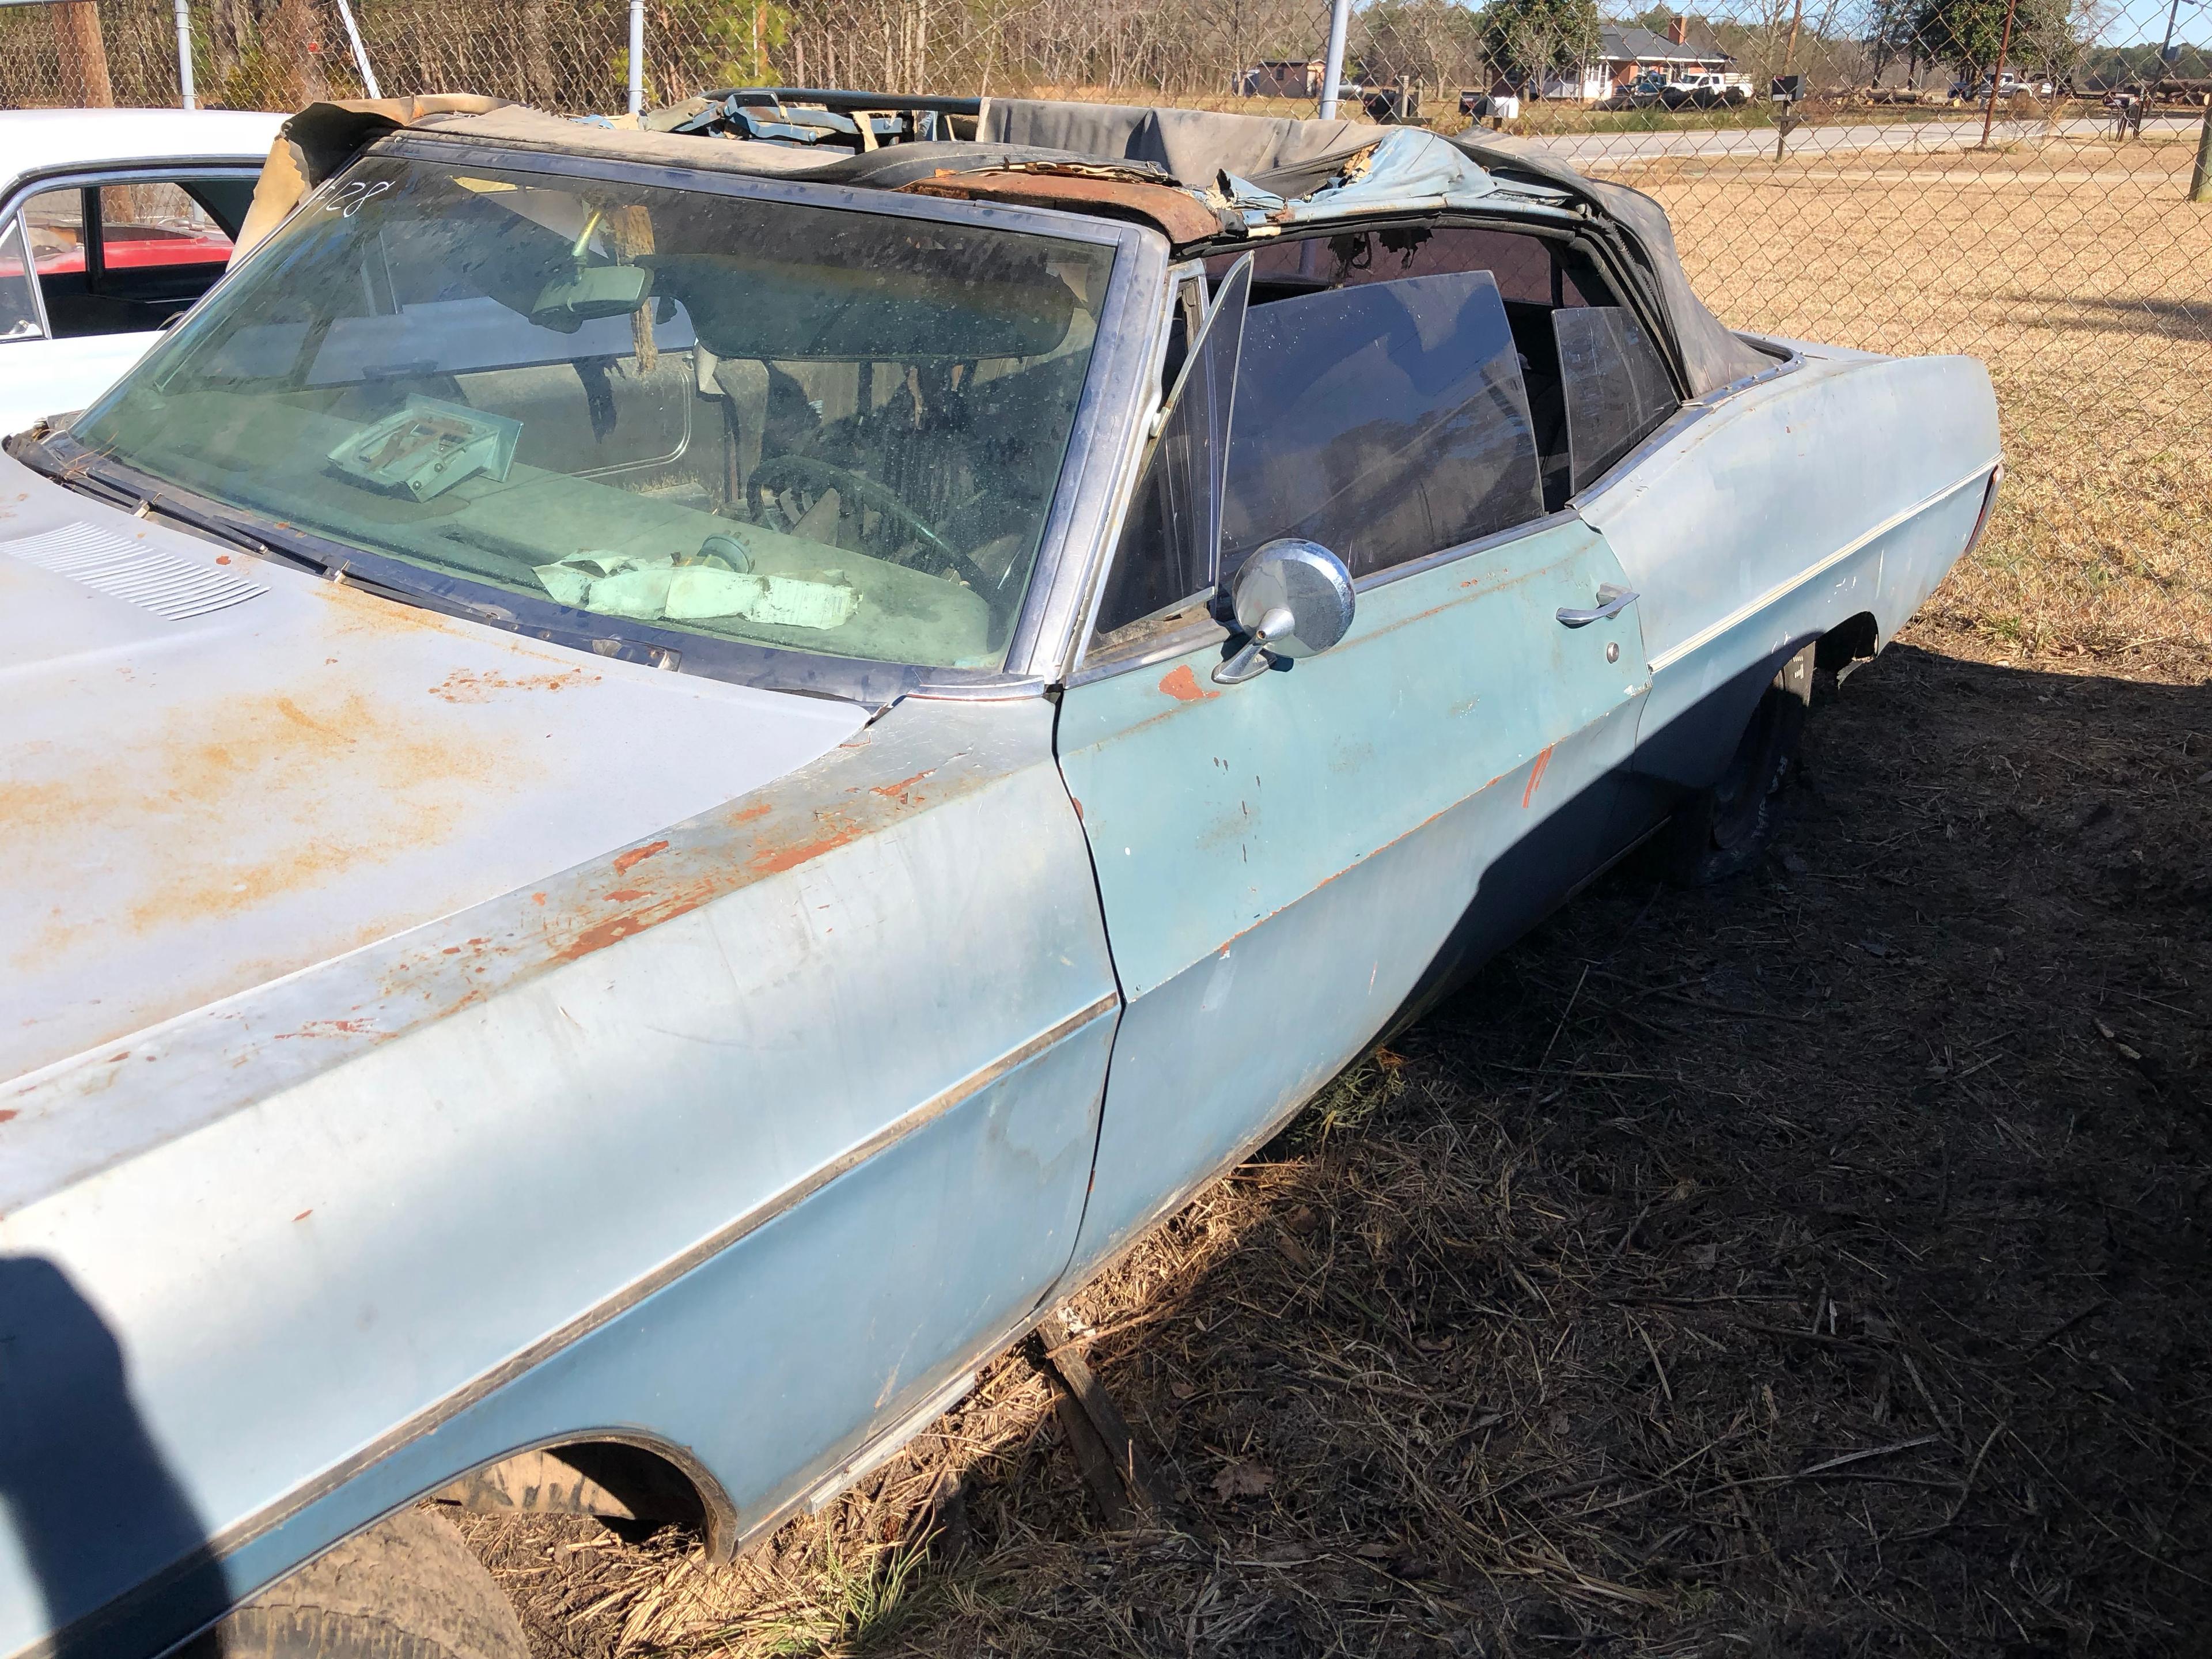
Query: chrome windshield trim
421, 144
1109, 430
1081, 497
1103, 463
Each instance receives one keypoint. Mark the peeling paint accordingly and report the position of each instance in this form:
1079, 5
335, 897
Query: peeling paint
625, 862
898, 791
1182, 686
477, 686
1536, 777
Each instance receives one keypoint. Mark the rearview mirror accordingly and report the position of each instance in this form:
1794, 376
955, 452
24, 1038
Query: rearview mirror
567, 303
1293, 599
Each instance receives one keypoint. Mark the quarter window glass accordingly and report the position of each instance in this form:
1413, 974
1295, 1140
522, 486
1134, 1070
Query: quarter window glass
19, 309
1166, 552
1615, 385
1386, 421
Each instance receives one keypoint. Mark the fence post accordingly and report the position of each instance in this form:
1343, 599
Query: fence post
360, 52
1339, 19
636, 57
2200, 181
1996, 75
185, 98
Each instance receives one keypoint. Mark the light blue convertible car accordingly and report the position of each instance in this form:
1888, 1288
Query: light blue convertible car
659, 782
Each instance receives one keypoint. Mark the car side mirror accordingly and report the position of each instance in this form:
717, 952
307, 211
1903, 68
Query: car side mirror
1293, 599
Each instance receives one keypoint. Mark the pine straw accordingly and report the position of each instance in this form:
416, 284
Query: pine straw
1809, 1266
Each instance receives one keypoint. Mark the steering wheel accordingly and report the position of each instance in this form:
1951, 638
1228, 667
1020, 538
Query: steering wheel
822, 475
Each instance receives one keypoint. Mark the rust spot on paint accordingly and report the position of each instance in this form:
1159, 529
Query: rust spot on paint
1535, 777
636, 855
472, 686
8, 1115
331, 1028
303, 1215
757, 810
538, 898
1182, 686
244, 798
612, 931
899, 790
223, 558
626, 895
836, 831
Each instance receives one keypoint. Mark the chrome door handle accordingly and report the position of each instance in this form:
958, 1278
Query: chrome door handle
1611, 602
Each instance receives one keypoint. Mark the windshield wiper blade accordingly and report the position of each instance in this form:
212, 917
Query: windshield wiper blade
96, 477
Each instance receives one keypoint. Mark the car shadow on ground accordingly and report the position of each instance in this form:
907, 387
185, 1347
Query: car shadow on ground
1809, 1265
89, 1499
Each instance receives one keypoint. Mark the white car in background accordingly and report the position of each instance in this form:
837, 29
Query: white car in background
112, 222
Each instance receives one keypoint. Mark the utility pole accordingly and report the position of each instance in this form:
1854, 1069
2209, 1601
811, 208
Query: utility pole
186, 100
1340, 20
637, 56
1996, 76
2200, 180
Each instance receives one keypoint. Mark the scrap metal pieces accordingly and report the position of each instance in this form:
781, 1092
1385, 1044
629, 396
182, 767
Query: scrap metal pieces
1115, 1467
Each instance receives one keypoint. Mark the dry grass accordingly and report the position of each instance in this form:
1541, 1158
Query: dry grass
1809, 1266
2075, 269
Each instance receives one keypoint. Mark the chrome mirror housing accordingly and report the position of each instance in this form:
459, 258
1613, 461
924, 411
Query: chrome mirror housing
1293, 599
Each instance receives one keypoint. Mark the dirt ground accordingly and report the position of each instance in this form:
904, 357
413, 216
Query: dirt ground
1809, 1266
1812, 1265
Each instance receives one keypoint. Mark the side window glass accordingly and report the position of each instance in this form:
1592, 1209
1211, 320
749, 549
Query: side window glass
19, 305
1170, 545
151, 227
1615, 385
1387, 421
122, 258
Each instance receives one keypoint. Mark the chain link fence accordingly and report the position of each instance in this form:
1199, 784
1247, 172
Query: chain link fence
2024, 180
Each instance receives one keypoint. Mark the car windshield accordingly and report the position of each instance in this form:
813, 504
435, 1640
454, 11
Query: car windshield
765, 422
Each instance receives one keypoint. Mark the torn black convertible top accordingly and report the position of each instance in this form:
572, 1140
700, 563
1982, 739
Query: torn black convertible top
1205, 179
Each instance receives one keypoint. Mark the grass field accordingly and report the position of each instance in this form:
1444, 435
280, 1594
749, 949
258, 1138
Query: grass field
2078, 273
1812, 1265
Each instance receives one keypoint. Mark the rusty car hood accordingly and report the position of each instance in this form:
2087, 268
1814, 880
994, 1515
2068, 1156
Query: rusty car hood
201, 792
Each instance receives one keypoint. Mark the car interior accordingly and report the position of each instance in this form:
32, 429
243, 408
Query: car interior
126, 257
1537, 277
902, 449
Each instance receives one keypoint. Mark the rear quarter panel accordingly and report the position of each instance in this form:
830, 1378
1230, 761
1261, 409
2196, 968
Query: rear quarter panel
1761, 521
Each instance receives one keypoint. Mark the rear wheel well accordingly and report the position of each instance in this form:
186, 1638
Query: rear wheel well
1847, 642
615, 1479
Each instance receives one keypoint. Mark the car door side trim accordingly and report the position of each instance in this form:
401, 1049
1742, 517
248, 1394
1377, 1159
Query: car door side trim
1706, 636
605, 1312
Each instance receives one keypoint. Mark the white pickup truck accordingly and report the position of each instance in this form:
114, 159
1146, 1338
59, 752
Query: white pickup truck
1705, 91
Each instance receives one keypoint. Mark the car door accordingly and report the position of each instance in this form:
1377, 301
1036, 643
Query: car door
1283, 862
109, 262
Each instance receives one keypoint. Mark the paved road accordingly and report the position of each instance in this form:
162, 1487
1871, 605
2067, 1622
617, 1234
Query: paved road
1585, 151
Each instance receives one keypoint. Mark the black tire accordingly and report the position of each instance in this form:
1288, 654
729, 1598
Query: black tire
406, 1589
1723, 831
